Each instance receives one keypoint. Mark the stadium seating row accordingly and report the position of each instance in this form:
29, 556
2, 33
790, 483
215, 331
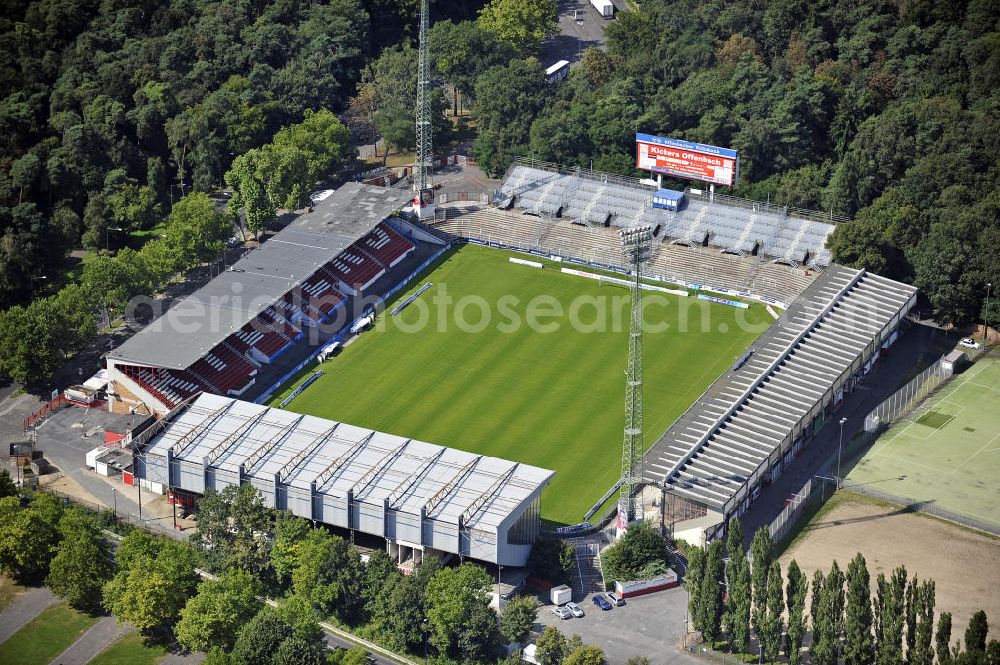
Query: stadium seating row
169, 386
366, 260
230, 367
600, 245
224, 371
750, 227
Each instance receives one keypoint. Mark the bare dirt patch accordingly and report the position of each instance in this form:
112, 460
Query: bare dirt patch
65, 484
964, 565
9, 591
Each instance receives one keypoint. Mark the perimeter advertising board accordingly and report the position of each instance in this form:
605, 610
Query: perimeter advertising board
684, 159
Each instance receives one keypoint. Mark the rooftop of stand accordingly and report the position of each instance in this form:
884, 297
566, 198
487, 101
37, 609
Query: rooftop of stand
197, 323
711, 452
339, 458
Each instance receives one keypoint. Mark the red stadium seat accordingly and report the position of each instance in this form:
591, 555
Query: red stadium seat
355, 268
385, 245
224, 370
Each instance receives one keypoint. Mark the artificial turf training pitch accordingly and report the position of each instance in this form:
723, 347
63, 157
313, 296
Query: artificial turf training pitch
947, 452
550, 398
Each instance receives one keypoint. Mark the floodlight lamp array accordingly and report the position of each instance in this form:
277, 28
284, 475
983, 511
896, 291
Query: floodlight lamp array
634, 235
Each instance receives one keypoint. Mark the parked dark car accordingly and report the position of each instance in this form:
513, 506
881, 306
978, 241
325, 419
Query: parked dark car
616, 598
602, 602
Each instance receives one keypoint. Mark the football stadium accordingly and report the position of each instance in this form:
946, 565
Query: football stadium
551, 398
448, 383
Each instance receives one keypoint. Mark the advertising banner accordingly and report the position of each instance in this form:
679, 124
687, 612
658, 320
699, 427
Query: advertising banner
684, 159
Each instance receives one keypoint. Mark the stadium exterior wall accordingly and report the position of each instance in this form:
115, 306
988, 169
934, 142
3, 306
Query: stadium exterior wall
373, 517
508, 543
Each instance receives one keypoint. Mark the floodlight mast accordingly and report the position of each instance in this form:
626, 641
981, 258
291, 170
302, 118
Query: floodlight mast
423, 165
636, 247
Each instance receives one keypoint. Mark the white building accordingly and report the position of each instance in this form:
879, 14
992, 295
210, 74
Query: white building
421, 497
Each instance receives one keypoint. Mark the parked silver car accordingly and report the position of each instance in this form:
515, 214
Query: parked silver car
562, 612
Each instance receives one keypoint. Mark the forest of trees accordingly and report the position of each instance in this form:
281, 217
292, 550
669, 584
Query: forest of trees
112, 109
116, 117
151, 582
880, 110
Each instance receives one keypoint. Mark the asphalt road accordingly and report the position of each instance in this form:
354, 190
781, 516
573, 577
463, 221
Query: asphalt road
580, 27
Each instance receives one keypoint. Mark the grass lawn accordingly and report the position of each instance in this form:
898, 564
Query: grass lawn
137, 239
46, 636
130, 649
550, 398
947, 453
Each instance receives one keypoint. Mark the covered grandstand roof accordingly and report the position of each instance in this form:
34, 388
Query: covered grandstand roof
247, 441
197, 323
729, 223
726, 440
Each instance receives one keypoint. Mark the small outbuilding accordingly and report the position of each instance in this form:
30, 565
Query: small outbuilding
668, 199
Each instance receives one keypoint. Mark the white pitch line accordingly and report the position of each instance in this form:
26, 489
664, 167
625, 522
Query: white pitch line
975, 454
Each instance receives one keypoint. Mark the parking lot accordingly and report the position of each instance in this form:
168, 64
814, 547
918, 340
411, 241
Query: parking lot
580, 27
651, 626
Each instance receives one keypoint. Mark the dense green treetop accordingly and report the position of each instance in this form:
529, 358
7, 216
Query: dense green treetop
880, 110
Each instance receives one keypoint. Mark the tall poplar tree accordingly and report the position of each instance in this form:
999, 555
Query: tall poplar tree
942, 639
889, 647
738, 577
829, 623
910, 617
762, 552
710, 593
923, 649
858, 646
795, 599
819, 581
692, 581
771, 636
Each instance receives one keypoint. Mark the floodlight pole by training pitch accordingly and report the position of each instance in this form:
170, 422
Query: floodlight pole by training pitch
423, 165
637, 246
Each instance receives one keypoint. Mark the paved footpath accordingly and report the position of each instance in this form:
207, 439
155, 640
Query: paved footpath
25, 607
95, 640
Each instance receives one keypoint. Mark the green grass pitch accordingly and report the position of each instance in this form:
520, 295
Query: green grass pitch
948, 453
553, 399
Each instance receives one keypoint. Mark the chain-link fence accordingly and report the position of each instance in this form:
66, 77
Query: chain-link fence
795, 508
113, 518
989, 526
902, 402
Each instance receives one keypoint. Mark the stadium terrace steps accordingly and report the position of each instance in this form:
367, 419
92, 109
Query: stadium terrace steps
169, 386
281, 326
727, 223
779, 281
316, 299
385, 245
700, 265
355, 269
261, 336
224, 371
601, 245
